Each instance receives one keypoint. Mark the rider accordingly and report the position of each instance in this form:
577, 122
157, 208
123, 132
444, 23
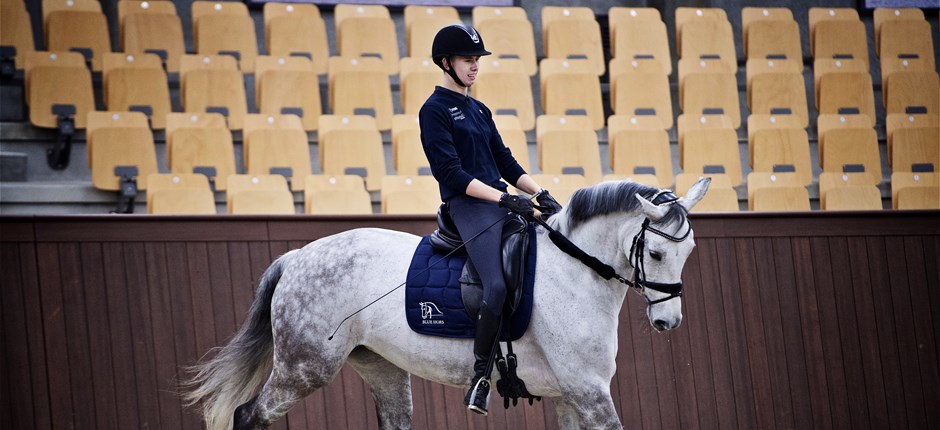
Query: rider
468, 159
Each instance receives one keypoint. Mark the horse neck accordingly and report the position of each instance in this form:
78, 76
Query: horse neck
606, 237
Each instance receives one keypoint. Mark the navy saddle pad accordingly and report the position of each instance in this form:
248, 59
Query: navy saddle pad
433, 303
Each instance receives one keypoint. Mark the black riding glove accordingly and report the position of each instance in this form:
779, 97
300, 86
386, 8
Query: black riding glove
547, 204
517, 205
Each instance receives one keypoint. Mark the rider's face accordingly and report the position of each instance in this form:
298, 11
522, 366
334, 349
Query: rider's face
466, 68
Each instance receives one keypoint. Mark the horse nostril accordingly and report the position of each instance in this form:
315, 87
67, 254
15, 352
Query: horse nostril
660, 325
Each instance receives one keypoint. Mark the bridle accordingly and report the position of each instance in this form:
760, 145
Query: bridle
637, 250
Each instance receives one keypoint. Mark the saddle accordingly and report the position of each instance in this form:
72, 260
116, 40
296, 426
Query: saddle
515, 244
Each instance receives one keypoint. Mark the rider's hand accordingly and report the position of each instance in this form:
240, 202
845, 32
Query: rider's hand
547, 204
518, 205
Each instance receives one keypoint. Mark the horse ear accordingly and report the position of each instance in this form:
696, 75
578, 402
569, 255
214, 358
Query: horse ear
695, 194
653, 212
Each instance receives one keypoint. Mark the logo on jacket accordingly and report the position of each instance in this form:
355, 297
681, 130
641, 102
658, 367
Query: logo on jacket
456, 114
430, 313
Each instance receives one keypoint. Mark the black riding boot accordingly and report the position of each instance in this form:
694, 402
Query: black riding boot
487, 330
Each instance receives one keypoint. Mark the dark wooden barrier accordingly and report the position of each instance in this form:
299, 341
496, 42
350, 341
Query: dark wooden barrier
818, 320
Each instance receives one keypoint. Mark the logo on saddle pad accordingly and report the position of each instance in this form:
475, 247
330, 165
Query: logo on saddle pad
430, 312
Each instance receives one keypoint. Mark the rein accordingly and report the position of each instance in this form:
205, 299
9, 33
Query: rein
636, 258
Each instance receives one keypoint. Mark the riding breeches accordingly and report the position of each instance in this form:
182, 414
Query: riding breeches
471, 216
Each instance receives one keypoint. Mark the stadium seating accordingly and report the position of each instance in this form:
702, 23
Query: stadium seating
360, 86
152, 27
336, 195
640, 87
136, 82
562, 186
847, 191
225, 28
570, 87
776, 192
350, 151
237, 184
296, 30
904, 180
707, 151
572, 33
73, 29
179, 194
637, 152
638, 34
505, 86
418, 78
409, 195
213, 83
507, 34
57, 87
571, 152
288, 85
16, 32
367, 31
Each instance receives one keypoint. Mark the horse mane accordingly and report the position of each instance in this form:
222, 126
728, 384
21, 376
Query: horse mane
611, 197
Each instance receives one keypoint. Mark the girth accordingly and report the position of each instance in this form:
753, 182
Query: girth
515, 243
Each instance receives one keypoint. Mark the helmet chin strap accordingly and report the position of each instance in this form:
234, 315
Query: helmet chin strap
450, 71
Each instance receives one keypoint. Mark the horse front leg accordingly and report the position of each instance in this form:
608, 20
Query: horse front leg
591, 406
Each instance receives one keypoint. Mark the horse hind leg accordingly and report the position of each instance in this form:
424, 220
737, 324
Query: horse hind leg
390, 385
286, 386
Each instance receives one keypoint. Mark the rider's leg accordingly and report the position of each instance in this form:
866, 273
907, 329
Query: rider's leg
471, 216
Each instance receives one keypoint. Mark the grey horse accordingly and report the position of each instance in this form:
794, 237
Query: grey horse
569, 349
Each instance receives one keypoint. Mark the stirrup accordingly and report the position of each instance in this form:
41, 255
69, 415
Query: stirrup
475, 403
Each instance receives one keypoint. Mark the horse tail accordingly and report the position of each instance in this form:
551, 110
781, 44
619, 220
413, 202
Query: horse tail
229, 378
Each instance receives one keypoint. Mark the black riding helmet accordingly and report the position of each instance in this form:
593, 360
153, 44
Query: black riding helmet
456, 39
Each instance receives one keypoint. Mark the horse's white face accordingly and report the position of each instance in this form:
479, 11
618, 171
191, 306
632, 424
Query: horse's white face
663, 259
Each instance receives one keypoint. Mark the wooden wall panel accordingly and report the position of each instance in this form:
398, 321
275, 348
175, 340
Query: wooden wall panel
809, 321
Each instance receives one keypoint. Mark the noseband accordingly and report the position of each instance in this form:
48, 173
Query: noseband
636, 254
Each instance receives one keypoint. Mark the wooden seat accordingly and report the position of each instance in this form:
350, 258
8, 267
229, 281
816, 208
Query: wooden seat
841, 92
773, 39
122, 146
917, 90
360, 86
640, 87
903, 180
915, 149
85, 32
776, 192
883, 15
212, 83
686, 15
686, 123
825, 66
225, 28
209, 150
561, 186
701, 66
152, 27
639, 33
288, 85
897, 121
510, 38
175, 181
359, 152
507, 90
756, 122
851, 150
105, 119
255, 122
907, 38
840, 39
409, 154
847, 191
750, 15
711, 94
481, 14
181, 201
418, 78
263, 202
296, 30
16, 31
279, 151
369, 36
779, 93
410, 195
708, 151
417, 13
718, 200
238, 183
178, 120
918, 198
569, 88
636, 152
137, 82
571, 151
57, 78
827, 122
546, 124
515, 139
572, 39
336, 195
757, 67
708, 38
329, 123
782, 150
890, 66
420, 34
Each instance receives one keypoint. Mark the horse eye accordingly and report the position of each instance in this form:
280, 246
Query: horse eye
656, 256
